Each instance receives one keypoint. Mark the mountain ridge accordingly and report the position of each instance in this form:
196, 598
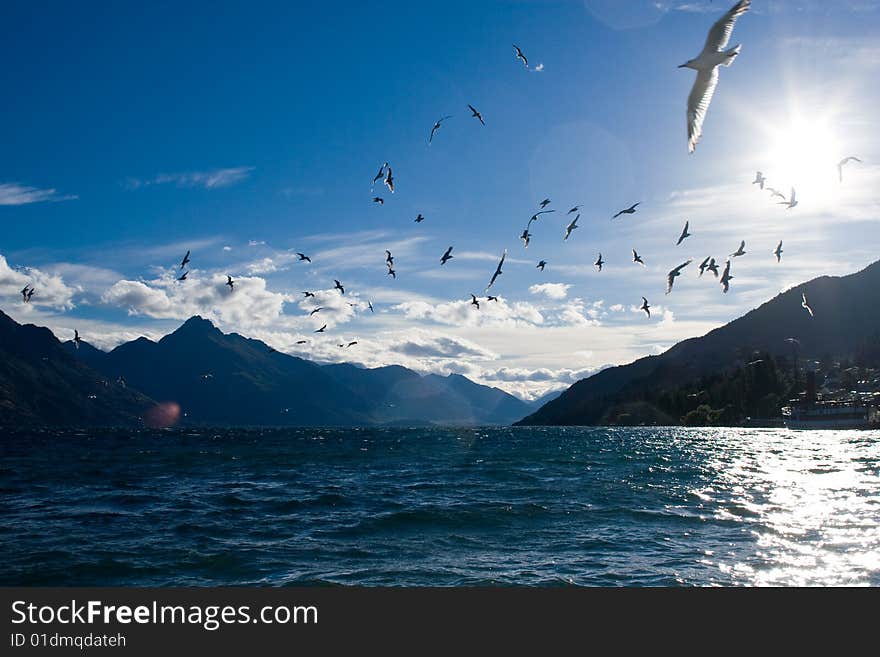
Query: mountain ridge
844, 318
42, 384
229, 379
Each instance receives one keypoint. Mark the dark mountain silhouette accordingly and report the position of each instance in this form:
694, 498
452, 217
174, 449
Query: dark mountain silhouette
846, 316
226, 379
41, 383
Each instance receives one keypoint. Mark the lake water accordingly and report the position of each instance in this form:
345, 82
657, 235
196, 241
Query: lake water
440, 507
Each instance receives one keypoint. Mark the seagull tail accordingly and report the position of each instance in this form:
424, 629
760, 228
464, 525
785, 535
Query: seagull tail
731, 54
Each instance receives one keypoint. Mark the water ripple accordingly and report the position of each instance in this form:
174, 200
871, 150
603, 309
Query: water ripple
441, 507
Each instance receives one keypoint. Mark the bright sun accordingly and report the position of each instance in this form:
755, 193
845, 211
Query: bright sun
804, 155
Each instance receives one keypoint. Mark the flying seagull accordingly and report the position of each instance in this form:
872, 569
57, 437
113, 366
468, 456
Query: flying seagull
303, 257
706, 65
525, 237
389, 259
571, 227
24, 293
446, 256
30, 293
474, 302
322, 329
713, 267
805, 305
316, 310
183, 276
646, 307
520, 55
671, 276
379, 200
308, 294
185, 260
491, 298
301, 341
574, 209
389, 180
541, 265
338, 286
379, 175
775, 192
630, 210
351, 344
778, 251
843, 162
791, 202
759, 179
637, 258
392, 273
599, 262
370, 306
726, 277
538, 214
498, 271
419, 219
704, 265
476, 113
437, 127
740, 251
76, 338
684, 233
543, 204
230, 282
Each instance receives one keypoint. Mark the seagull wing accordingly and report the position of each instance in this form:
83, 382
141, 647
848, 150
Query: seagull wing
678, 269
719, 34
698, 104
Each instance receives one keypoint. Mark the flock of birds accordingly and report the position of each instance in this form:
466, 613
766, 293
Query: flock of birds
714, 54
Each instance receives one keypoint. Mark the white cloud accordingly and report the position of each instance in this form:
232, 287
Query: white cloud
551, 290
249, 304
464, 313
50, 290
15, 194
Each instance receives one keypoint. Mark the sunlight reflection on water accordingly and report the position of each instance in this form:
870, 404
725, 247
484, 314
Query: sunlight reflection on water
814, 501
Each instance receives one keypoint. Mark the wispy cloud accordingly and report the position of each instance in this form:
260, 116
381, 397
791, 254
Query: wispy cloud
16, 194
214, 179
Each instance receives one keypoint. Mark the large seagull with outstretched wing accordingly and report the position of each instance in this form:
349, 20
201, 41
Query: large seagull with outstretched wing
713, 55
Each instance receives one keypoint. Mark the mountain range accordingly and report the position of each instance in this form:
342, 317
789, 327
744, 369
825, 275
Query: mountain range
846, 318
224, 380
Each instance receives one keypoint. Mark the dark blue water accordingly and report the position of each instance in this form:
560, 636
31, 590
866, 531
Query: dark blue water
441, 507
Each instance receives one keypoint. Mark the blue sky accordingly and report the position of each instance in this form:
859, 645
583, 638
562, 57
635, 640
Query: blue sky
246, 131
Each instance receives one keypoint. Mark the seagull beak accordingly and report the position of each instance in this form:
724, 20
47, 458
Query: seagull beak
682, 66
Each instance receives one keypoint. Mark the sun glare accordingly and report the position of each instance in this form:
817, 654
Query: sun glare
804, 155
